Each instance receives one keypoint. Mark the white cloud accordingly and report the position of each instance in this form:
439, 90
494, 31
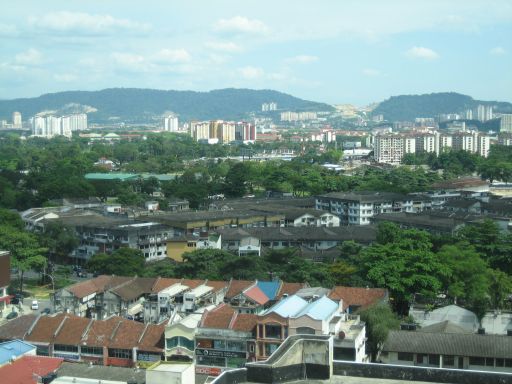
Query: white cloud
130, 61
371, 72
422, 53
172, 56
251, 72
64, 77
29, 57
498, 51
302, 59
223, 46
85, 23
240, 24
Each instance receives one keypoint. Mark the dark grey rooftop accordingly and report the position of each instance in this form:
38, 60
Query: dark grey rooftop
367, 196
366, 233
100, 372
455, 344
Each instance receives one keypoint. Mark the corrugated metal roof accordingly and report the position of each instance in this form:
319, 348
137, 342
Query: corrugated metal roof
14, 348
456, 344
269, 288
288, 307
256, 295
320, 309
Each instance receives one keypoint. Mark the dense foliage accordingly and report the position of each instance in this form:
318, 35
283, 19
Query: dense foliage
141, 105
408, 107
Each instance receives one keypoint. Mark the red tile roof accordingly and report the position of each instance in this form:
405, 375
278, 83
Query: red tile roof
96, 285
245, 322
45, 328
17, 328
153, 339
100, 332
290, 289
217, 285
71, 330
192, 283
26, 369
126, 334
163, 282
256, 294
219, 317
236, 287
362, 297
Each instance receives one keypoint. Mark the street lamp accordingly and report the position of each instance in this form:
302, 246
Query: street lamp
53, 289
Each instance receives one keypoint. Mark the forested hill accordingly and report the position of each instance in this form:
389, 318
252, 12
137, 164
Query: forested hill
408, 107
140, 105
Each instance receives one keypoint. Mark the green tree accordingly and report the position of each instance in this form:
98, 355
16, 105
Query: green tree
25, 250
204, 264
467, 278
379, 320
500, 288
122, 262
405, 266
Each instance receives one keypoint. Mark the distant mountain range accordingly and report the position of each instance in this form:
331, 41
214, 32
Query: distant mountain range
142, 105
408, 107
135, 105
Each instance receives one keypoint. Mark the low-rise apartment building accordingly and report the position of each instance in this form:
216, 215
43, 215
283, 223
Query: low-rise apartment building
357, 208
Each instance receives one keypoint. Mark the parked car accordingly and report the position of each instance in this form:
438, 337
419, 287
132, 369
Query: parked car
15, 300
35, 305
11, 315
46, 311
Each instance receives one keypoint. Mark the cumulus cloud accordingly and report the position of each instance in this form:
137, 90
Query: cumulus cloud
29, 57
223, 46
422, 53
498, 51
84, 23
251, 73
302, 59
240, 24
172, 56
370, 72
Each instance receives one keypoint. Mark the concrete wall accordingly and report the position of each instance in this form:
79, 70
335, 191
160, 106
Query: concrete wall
411, 374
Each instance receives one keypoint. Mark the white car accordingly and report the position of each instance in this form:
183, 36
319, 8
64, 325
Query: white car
35, 305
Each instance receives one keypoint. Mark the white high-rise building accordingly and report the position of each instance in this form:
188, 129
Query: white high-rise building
170, 123
50, 125
72, 123
16, 120
391, 148
506, 122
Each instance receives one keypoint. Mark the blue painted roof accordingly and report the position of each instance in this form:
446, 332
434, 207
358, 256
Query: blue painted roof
320, 309
288, 307
269, 288
14, 348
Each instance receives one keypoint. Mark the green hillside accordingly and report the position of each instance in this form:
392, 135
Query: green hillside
408, 107
141, 105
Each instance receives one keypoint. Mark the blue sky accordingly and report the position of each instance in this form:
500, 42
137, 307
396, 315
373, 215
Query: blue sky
332, 51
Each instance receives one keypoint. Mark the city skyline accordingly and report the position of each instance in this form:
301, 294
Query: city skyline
334, 52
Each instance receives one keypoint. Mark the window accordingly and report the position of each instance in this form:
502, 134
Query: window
272, 331
448, 361
489, 362
508, 363
65, 348
433, 360
120, 353
477, 361
211, 361
219, 344
235, 346
305, 331
405, 356
91, 350
180, 341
